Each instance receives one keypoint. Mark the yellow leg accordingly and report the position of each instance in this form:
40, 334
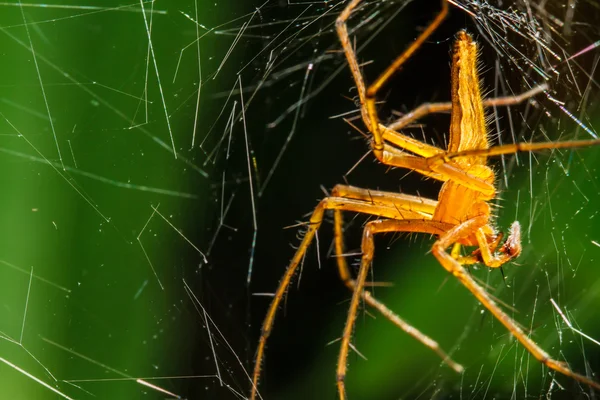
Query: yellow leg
368, 250
346, 277
391, 210
451, 265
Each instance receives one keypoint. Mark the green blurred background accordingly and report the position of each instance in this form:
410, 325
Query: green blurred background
105, 232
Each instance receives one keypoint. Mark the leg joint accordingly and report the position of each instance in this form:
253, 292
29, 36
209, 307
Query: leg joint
265, 332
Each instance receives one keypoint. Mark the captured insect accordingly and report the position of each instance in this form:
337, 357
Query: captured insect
460, 217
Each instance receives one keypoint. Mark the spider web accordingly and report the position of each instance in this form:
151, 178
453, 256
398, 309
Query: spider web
152, 152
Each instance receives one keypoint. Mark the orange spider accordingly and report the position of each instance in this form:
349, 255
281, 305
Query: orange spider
461, 216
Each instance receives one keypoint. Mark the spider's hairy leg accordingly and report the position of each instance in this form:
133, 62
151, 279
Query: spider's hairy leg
402, 58
401, 159
436, 167
342, 32
403, 201
368, 251
466, 229
446, 157
367, 96
439, 168
443, 165
329, 203
346, 277
433, 108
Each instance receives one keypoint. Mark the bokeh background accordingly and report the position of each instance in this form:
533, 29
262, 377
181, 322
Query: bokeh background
120, 261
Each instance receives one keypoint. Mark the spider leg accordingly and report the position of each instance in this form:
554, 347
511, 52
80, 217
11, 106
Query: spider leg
510, 149
329, 203
367, 96
346, 277
401, 159
438, 167
432, 108
416, 114
463, 230
368, 249
442, 167
398, 200
383, 152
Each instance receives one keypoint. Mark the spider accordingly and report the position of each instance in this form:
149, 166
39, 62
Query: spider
461, 215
